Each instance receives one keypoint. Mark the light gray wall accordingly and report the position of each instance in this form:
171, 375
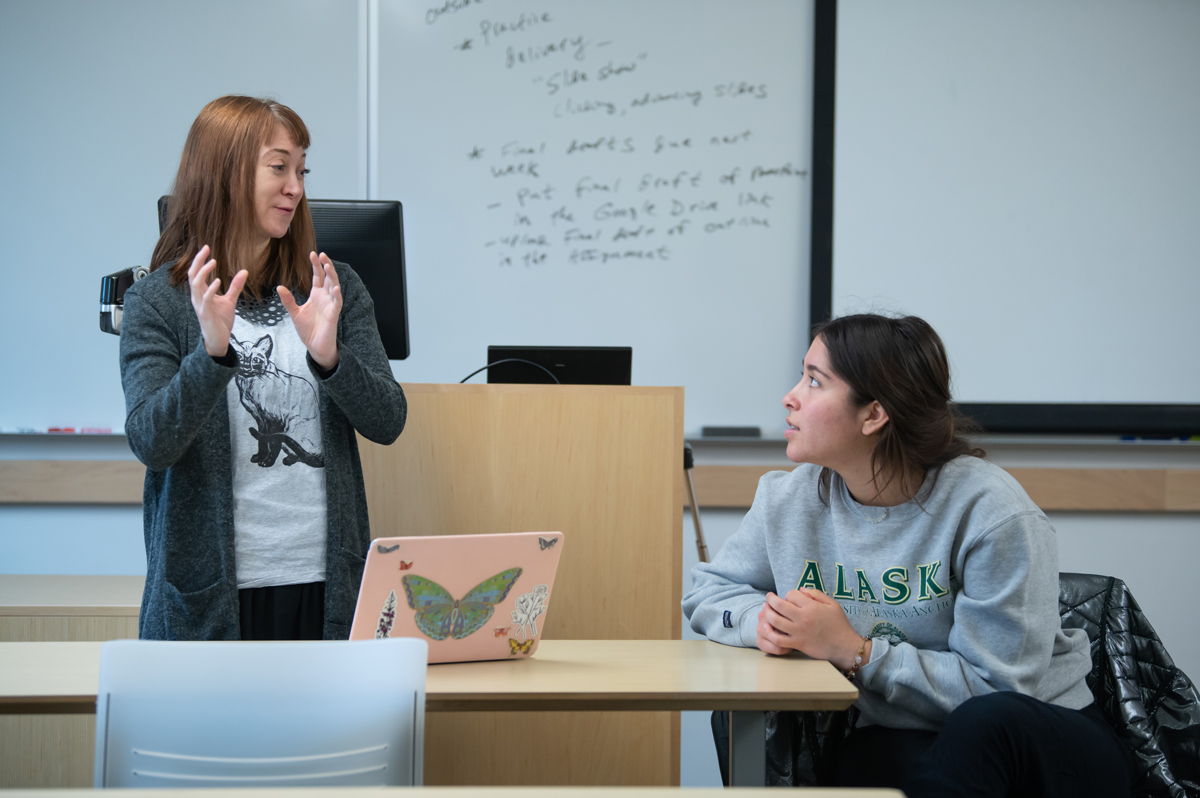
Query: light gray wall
95, 104
1022, 174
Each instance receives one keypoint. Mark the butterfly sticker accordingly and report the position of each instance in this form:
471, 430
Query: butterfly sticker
404, 566
440, 615
547, 543
501, 631
517, 647
386, 549
387, 616
529, 606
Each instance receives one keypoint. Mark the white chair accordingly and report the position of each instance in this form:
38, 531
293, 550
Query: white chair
291, 714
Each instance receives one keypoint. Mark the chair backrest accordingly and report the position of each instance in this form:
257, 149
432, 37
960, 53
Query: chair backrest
294, 714
1152, 704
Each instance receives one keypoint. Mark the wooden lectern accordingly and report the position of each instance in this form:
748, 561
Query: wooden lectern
601, 464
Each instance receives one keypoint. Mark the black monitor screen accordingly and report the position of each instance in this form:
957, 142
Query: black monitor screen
368, 235
570, 365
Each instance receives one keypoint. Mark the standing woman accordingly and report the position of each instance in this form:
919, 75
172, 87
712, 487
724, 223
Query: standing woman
249, 363
923, 572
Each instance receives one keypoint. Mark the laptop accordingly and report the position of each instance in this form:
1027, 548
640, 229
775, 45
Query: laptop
470, 597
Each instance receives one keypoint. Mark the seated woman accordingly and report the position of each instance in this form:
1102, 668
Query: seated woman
243, 403
925, 573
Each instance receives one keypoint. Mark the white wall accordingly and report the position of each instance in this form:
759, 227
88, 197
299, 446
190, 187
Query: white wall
95, 103
1022, 174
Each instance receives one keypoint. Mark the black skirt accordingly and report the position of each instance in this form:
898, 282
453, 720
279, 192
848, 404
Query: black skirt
283, 612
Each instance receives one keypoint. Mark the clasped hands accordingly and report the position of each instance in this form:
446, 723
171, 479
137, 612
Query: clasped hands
812, 623
316, 320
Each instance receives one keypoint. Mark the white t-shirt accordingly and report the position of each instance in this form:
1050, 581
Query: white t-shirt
279, 502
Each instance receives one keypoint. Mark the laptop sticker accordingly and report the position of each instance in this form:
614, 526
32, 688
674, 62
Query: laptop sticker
387, 617
404, 566
547, 543
501, 631
440, 616
519, 648
386, 549
529, 606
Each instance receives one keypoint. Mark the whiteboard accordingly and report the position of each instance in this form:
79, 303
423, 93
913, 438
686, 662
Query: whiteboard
96, 101
614, 173
1023, 174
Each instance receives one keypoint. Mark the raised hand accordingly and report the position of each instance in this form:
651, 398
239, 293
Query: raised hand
215, 311
317, 319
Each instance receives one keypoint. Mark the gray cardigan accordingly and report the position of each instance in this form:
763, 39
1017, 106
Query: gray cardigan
177, 423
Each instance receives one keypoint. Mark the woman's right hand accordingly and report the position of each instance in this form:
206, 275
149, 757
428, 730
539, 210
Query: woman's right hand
767, 635
215, 311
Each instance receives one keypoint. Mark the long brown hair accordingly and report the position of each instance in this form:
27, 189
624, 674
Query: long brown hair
901, 363
213, 198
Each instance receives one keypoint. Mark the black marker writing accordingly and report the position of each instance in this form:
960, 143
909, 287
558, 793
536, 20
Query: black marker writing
693, 97
491, 29
528, 168
759, 172
449, 7
605, 143
743, 89
574, 107
653, 182
604, 256
610, 211
576, 45
525, 194
587, 185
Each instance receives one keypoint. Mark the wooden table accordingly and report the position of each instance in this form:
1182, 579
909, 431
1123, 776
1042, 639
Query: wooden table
84, 607
564, 675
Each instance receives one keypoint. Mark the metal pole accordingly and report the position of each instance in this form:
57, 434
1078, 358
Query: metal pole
688, 462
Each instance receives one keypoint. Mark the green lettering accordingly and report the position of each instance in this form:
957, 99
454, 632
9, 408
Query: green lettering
842, 592
895, 585
929, 588
864, 588
811, 576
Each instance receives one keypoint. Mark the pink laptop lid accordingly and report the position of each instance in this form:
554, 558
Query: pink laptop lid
470, 597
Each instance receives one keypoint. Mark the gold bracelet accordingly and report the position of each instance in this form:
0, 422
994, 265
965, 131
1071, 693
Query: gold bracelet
858, 659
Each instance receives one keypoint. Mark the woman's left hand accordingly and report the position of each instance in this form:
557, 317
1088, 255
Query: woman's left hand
812, 623
317, 319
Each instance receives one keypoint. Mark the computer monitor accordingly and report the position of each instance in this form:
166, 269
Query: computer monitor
367, 234
570, 365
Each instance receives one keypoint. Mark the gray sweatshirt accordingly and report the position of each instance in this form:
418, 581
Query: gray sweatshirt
961, 597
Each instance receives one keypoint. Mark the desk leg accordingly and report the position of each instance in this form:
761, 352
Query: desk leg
748, 749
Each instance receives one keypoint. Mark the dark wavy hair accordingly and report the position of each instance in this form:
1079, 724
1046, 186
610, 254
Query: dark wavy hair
900, 363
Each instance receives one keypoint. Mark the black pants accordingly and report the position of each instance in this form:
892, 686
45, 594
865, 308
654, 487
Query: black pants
283, 612
1002, 744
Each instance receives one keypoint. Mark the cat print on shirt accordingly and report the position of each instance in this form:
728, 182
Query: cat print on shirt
283, 405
